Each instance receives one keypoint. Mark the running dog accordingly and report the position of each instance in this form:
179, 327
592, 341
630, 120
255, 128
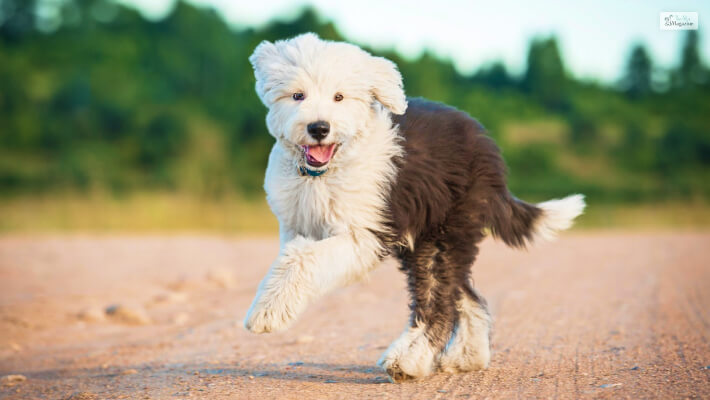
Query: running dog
360, 172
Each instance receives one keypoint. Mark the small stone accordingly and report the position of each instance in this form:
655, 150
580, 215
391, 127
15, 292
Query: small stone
128, 315
12, 380
171, 297
251, 377
442, 391
181, 285
636, 368
296, 363
82, 396
91, 314
16, 347
609, 385
129, 372
17, 322
331, 381
223, 277
305, 339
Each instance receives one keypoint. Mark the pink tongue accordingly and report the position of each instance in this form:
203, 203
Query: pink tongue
320, 153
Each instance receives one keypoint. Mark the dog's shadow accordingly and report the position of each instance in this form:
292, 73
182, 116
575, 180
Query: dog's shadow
307, 372
97, 379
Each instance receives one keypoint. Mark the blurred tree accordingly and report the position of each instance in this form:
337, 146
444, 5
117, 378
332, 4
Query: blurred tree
682, 147
637, 81
545, 78
636, 151
429, 76
494, 75
108, 99
584, 129
160, 140
17, 19
307, 20
691, 72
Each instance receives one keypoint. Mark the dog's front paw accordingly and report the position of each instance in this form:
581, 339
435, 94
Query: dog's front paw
284, 292
276, 305
411, 356
263, 318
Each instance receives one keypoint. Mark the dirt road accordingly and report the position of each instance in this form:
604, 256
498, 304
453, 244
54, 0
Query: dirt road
594, 315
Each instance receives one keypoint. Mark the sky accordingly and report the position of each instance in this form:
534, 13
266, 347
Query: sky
595, 37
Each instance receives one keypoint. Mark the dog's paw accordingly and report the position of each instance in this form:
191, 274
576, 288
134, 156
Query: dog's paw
274, 309
465, 357
469, 348
396, 375
283, 294
411, 356
264, 319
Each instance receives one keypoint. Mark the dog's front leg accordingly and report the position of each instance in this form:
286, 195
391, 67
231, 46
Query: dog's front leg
304, 270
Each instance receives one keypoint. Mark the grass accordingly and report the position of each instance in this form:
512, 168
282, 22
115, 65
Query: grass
143, 213
655, 216
175, 213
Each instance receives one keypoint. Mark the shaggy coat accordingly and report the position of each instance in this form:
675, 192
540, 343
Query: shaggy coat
359, 172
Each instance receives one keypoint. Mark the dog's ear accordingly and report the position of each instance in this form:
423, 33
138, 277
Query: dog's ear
264, 59
387, 85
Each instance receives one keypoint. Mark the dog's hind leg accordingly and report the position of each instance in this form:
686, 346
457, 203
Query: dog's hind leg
469, 346
436, 269
433, 309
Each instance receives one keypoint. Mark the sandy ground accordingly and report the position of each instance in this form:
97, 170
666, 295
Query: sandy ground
594, 315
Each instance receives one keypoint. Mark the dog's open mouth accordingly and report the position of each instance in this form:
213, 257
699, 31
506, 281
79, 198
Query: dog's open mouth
318, 155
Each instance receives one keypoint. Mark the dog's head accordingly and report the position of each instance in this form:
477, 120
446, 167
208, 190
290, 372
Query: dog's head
321, 94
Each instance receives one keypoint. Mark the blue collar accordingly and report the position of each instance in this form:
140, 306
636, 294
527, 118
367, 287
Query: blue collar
305, 171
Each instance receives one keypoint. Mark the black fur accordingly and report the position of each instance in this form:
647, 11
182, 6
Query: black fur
450, 188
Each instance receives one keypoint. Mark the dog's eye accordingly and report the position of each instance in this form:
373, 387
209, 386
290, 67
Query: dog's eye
338, 97
298, 96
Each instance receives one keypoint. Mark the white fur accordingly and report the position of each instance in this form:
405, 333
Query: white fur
326, 222
469, 347
411, 353
319, 69
558, 215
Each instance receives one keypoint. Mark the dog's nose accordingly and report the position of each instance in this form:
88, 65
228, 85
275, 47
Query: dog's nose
319, 129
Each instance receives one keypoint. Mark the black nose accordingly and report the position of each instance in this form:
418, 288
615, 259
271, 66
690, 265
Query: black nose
318, 130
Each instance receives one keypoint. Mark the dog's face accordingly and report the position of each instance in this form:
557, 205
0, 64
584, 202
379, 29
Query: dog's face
322, 94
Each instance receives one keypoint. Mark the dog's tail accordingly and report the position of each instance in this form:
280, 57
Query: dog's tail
518, 223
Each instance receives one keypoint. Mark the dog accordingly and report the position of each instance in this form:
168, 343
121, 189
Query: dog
360, 172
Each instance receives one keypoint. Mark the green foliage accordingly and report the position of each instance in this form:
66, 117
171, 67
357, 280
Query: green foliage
691, 72
494, 75
545, 78
638, 73
683, 147
92, 96
17, 19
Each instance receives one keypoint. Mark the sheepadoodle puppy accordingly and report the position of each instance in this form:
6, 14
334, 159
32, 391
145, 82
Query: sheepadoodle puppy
360, 172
